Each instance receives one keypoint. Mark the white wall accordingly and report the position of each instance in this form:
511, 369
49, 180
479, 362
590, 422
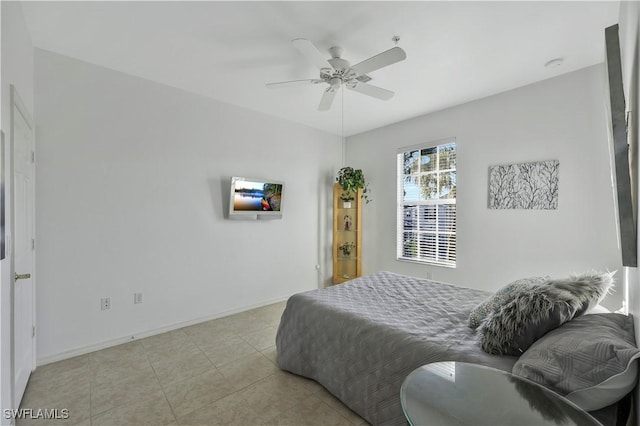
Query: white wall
132, 190
561, 118
17, 69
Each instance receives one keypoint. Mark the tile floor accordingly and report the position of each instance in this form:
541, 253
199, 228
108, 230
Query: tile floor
220, 372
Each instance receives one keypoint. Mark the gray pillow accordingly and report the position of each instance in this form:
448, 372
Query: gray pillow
539, 309
500, 297
591, 360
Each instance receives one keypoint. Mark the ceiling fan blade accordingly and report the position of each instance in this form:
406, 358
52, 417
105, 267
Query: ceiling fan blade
370, 90
306, 82
311, 52
327, 99
381, 60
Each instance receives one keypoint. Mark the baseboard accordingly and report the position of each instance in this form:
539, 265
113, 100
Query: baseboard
130, 338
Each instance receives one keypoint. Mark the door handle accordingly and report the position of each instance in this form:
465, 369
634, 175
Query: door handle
22, 277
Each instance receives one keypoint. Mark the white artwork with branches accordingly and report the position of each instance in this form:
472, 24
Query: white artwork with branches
524, 186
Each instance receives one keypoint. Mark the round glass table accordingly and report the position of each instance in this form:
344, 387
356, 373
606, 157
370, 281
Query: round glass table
458, 393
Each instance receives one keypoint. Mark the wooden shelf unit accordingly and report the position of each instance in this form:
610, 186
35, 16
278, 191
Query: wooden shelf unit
347, 229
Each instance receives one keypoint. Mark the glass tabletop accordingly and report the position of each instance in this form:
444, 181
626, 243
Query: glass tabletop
458, 393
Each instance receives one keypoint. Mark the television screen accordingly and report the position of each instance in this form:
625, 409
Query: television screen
255, 197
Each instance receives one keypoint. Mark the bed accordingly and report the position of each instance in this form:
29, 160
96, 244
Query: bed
361, 339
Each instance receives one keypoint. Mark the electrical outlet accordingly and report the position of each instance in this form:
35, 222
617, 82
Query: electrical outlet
137, 298
105, 303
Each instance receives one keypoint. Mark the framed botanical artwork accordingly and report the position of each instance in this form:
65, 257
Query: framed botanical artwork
524, 186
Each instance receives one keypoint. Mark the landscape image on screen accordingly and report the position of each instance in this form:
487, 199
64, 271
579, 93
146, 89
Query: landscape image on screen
257, 196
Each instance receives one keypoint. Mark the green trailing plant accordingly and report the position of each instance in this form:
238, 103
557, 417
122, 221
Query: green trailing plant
351, 180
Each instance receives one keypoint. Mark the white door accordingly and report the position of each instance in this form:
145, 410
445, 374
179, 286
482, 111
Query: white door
23, 238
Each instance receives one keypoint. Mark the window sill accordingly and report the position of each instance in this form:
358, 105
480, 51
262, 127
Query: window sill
426, 262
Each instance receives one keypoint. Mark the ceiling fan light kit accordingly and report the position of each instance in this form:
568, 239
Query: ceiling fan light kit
342, 73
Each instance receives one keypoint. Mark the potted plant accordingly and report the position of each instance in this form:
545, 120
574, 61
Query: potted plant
347, 248
351, 180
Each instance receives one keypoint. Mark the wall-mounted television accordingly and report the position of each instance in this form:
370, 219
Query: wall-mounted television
255, 198
620, 147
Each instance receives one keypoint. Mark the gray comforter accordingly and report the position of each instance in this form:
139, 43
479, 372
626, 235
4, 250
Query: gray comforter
361, 339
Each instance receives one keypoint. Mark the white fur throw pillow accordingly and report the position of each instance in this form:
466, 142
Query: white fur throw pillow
500, 297
531, 314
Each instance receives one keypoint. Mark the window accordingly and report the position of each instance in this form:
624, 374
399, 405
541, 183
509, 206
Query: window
426, 229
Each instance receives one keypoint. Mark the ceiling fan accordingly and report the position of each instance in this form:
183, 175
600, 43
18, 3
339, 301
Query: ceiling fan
341, 73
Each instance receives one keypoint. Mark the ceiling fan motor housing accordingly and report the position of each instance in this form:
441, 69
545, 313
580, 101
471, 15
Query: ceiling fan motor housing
339, 64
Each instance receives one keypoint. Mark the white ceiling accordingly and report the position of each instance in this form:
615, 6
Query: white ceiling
456, 51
